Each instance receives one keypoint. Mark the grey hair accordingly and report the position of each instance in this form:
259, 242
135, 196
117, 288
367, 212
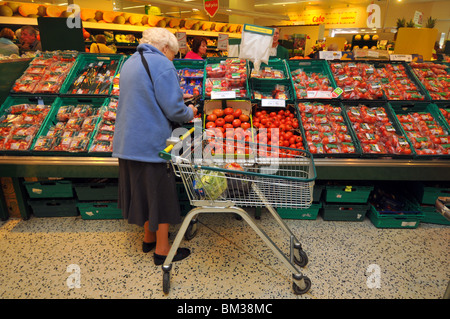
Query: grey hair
159, 38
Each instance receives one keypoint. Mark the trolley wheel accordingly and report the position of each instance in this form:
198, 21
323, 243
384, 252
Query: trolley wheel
191, 231
300, 291
300, 257
166, 282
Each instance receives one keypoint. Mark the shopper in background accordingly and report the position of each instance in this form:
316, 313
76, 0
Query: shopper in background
100, 45
333, 47
147, 107
29, 39
278, 51
7, 46
199, 46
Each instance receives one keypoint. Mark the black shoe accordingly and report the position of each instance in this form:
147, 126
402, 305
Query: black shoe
146, 247
180, 255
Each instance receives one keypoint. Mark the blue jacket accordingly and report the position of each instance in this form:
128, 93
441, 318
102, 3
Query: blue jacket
145, 108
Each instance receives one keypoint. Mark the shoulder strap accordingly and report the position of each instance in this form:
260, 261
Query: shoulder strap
144, 62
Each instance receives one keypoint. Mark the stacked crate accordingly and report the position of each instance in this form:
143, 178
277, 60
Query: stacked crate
52, 198
426, 196
346, 202
309, 213
392, 207
97, 199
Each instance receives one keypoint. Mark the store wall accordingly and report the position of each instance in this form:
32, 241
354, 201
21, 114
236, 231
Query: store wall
97, 4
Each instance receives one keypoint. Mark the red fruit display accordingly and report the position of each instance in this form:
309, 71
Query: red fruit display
227, 75
427, 136
311, 81
435, 78
325, 129
396, 83
376, 132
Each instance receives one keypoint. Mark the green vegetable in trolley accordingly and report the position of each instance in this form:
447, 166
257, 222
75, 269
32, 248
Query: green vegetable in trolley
210, 184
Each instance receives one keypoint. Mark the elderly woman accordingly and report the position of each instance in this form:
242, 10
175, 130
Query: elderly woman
148, 104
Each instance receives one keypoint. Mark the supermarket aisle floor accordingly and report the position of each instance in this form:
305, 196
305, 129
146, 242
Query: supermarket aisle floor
228, 260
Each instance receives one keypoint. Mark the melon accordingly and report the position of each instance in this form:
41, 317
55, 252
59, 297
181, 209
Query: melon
119, 20
42, 11
232, 28
174, 22
14, 6
358, 37
109, 16
86, 14
27, 9
144, 20
161, 24
153, 20
54, 11
366, 37
65, 14
6, 11
375, 37
206, 26
135, 19
98, 15
189, 23
218, 27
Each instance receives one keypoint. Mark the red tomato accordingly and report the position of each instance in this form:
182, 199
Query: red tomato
244, 118
212, 117
237, 113
218, 112
220, 121
245, 125
210, 125
228, 111
229, 118
236, 123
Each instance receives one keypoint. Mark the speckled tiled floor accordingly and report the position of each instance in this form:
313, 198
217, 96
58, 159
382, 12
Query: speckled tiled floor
228, 260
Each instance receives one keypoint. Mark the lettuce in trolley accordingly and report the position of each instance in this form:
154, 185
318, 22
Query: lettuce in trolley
210, 184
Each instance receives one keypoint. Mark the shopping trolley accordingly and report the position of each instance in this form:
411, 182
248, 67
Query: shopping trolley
267, 177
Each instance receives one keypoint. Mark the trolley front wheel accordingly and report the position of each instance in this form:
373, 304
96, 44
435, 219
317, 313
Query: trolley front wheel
300, 257
166, 281
191, 231
302, 290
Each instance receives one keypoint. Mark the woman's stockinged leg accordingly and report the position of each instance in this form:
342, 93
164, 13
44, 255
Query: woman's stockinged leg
149, 237
162, 240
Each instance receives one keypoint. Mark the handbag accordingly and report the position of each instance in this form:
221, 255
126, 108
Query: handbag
144, 62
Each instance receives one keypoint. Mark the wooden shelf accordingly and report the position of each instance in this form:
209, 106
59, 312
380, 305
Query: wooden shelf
116, 27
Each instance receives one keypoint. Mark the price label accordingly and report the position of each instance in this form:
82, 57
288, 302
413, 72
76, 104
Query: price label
273, 103
401, 57
222, 42
223, 95
319, 94
181, 37
337, 92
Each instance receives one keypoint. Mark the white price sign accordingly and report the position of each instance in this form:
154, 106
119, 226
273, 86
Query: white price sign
319, 94
223, 95
222, 42
181, 37
273, 103
401, 57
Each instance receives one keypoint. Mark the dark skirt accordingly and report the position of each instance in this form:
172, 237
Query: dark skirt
147, 192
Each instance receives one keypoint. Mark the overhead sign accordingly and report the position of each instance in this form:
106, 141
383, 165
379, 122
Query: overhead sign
211, 7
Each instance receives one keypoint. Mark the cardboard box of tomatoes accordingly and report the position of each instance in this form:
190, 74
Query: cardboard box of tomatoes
228, 125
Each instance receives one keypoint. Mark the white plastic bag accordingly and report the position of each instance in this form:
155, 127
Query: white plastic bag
255, 46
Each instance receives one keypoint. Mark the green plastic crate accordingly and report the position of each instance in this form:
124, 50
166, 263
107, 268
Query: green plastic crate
96, 191
409, 218
99, 210
307, 213
275, 64
401, 108
49, 189
427, 195
347, 194
84, 59
344, 212
432, 216
311, 66
267, 86
96, 102
26, 99
189, 64
54, 207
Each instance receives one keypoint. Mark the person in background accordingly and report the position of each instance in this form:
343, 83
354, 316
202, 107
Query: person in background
199, 46
100, 45
7, 46
148, 105
333, 47
278, 51
29, 39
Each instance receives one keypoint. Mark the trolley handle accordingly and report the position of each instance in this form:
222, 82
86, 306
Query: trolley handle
165, 154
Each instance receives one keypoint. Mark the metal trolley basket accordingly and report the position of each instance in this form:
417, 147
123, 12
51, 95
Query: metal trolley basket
270, 181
